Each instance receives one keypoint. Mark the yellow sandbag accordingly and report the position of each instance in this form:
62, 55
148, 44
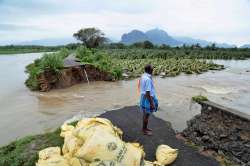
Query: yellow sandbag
49, 152
149, 163
85, 128
133, 156
54, 161
51, 157
98, 121
66, 130
77, 162
66, 127
88, 121
71, 143
166, 155
103, 146
104, 163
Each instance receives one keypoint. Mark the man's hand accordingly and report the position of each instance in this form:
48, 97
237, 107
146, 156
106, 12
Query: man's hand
152, 107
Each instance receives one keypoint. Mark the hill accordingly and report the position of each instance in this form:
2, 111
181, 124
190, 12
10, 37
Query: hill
156, 36
159, 37
245, 46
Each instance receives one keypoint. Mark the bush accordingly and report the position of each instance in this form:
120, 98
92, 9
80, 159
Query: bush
84, 54
100, 60
51, 62
64, 53
199, 98
117, 72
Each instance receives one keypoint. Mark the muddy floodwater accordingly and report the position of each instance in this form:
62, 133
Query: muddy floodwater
23, 112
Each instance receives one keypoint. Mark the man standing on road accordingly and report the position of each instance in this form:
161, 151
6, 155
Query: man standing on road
148, 101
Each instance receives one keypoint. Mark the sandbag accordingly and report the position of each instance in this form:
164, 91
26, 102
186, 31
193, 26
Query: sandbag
104, 146
96, 142
149, 163
166, 155
74, 161
71, 143
65, 127
104, 163
86, 127
49, 152
51, 157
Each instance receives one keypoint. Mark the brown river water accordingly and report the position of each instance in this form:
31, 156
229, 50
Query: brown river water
23, 112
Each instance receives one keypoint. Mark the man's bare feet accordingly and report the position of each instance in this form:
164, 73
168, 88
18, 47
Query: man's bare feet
146, 132
148, 129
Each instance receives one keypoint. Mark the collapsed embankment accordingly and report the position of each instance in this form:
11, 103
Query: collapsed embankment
221, 129
70, 76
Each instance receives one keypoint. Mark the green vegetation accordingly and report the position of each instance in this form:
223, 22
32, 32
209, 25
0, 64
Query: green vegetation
90, 37
165, 52
52, 62
130, 61
199, 98
11, 49
25, 151
166, 67
100, 60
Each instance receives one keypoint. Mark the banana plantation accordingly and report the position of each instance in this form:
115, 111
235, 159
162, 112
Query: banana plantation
189, 53
166, 67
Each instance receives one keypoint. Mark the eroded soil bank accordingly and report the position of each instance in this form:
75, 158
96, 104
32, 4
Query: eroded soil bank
71, 76
221, 129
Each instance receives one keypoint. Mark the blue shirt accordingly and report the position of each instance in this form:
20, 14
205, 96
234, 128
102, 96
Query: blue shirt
146, 84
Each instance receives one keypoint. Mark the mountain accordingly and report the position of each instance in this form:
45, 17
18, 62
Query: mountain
133, 37
202, 43
225, 45
245, 46
191, 41
156, 36
49, 42
159, 37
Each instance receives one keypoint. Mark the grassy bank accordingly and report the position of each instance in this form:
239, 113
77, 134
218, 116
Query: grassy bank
23, 152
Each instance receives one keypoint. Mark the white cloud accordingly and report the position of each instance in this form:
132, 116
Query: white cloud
220, 21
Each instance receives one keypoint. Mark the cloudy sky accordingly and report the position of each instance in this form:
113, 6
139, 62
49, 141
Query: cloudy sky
213, 20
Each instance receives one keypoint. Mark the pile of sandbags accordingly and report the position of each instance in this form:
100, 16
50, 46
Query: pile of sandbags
96, 142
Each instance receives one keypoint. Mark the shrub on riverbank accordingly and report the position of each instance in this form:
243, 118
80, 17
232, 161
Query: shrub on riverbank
100, 60
199, 98
51, 62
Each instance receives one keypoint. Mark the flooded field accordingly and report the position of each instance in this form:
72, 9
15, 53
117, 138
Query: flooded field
23, 112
